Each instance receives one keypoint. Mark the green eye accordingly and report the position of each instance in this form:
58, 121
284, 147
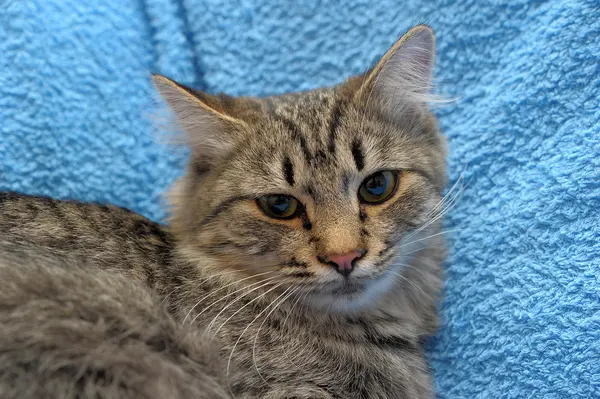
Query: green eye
378, 187
279, 206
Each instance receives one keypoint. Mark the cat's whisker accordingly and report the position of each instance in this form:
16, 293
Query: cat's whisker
457, 189
416, 269
434, 218
259, 284
400, 255
459, 181
445, 207
244, 331
242, 308
300, 298
449, 202
411, 282
437, 218
263, 284
205, 280
220, 289
413, 267
260, 327
458, 186
200, 282
423, 239
421, 272
292, 308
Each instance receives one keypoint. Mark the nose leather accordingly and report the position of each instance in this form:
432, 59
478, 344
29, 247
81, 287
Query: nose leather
344, 263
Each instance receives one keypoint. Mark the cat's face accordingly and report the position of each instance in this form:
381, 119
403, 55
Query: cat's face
322, 192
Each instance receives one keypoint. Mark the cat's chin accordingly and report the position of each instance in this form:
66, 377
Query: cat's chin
347, 297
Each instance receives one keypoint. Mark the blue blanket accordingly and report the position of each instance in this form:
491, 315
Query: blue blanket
522, 307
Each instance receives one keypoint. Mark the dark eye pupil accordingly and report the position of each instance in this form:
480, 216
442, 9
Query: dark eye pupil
376, 185
279, 204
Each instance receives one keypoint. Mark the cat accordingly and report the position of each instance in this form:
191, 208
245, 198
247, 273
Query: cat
302, 258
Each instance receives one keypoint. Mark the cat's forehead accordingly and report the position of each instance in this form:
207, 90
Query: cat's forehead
321, 139
302, 127
318, 128
312, 119
310, 111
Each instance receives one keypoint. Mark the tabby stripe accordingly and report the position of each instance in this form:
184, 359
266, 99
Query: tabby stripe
288, 171
301, 274
200, 168
295, 263
392, 342
357, 154
63, 219
388, 245
221, 207
306, 224
320, 157
297, 135
345, 183
386, 258
362, 215
333, 124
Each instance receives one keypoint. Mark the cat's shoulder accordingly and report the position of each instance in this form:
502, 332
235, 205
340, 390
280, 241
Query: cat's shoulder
101, 235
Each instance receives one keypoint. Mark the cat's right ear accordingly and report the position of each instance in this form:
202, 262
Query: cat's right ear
402, 77
210, 130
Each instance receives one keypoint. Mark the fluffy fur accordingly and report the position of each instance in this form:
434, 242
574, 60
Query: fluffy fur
72, 332
286, 324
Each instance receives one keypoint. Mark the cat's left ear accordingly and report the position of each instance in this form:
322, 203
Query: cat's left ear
403, 76
211, 128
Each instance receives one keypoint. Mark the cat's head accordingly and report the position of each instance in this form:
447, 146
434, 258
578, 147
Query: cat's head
316, 191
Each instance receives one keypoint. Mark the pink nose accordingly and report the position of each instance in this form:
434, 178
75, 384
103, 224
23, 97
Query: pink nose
343, 263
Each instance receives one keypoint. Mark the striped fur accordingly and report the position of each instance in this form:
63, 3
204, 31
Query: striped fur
284, 322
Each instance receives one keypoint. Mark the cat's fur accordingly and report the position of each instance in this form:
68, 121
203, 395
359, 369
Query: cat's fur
72, 332
83, 286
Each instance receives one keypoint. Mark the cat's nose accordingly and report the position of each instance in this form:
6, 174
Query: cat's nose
343, 263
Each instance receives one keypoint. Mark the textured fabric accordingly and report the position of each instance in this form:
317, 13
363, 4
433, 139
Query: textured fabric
522, 308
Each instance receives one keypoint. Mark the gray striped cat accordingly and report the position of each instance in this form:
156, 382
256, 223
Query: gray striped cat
302, 258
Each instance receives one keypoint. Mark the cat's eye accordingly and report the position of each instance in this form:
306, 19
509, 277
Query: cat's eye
279, 206
378, 187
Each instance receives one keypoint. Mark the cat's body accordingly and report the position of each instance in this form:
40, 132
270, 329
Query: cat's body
357, 356
255, 285
70, 329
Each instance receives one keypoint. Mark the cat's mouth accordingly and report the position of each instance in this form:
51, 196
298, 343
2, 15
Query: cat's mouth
359, 290
348, 288
349, 295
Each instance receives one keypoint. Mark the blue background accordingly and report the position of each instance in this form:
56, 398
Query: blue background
522, 306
